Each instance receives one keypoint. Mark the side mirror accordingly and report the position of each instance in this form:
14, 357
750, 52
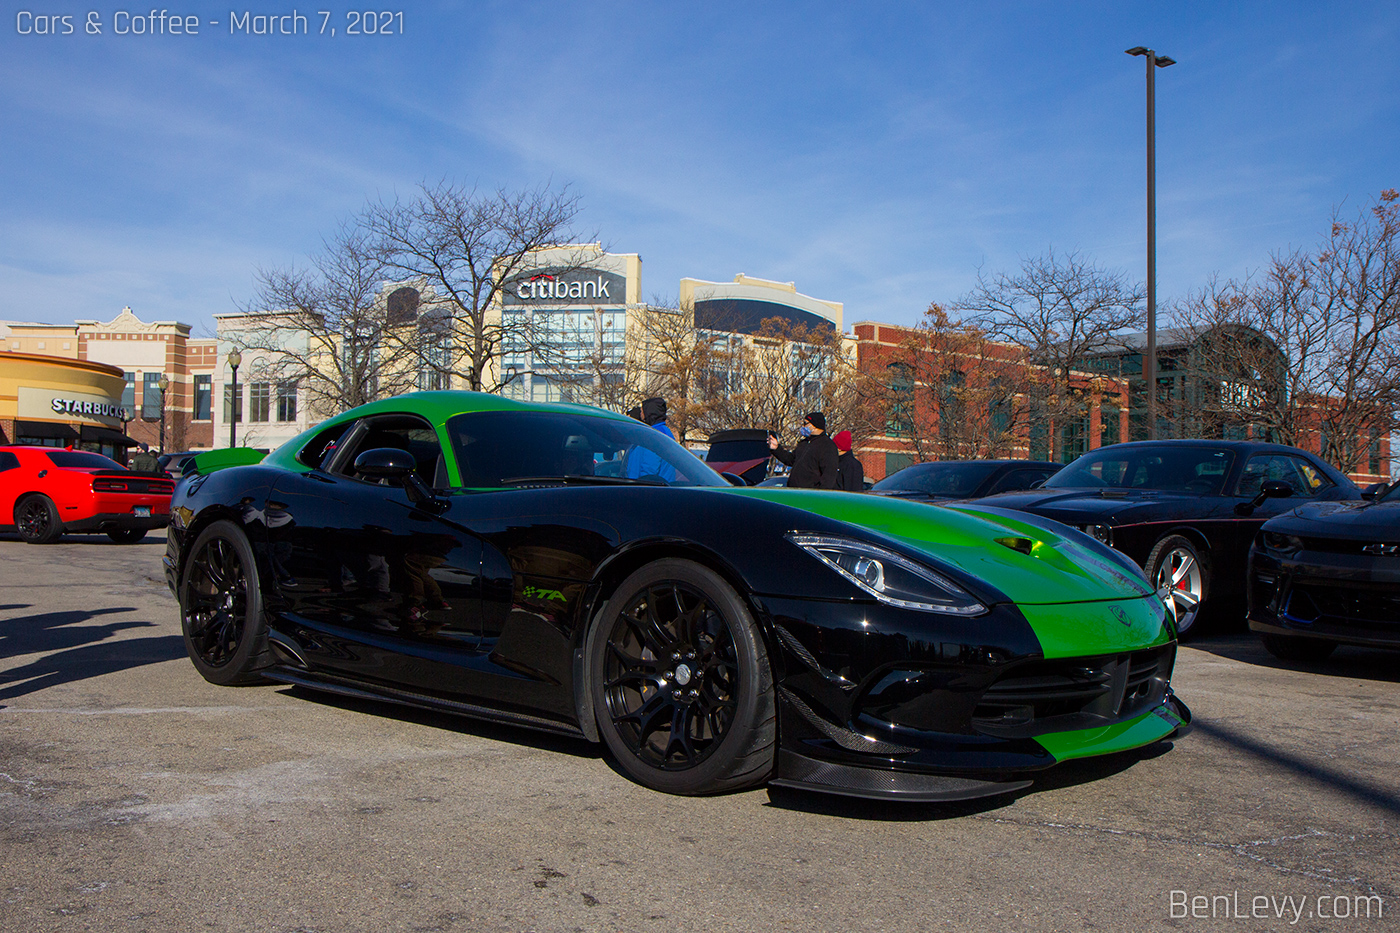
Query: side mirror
1374, 490
388, 462
1269, 489
1037, 484
734, 479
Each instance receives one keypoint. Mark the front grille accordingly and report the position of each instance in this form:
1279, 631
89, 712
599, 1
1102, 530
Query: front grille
1080, 693
1357, 604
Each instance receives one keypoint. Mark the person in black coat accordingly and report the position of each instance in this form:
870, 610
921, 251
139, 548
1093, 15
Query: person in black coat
851, 475
813, 460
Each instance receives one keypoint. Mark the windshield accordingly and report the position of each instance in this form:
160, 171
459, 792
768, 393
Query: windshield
494, 448
938, 479
1392, 494
82, 460
1199, 470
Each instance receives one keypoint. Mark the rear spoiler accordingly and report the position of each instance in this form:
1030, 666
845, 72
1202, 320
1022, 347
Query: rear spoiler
213, 460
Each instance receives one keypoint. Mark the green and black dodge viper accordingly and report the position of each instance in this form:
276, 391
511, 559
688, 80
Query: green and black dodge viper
565, 568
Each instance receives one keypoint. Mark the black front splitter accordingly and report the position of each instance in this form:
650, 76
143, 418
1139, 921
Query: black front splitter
799, 771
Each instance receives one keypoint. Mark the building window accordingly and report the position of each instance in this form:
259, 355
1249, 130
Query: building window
896, 462
129, 393
150, 397
1373, 460
1110, 426
230, 413
287, 401
203, 397
899, 418
259, 401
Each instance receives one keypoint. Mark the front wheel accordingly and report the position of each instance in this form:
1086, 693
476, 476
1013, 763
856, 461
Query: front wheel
221, 608
1289, 648
36, 519
1182, 579
681, 683
127, 535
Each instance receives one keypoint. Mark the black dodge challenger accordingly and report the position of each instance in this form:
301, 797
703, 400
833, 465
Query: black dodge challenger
563, 568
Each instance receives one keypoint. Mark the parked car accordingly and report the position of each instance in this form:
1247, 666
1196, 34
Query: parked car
177, 463
781, 480
462, 552
742, 451
1328, 574
1185, 510
964, 479
47, 492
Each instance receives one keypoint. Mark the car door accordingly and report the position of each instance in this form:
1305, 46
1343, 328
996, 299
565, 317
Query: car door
372, 584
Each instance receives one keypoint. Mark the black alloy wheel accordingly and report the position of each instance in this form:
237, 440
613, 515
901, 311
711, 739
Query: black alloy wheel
1306, 650
682, 687
36, 519
127, 535
221, 608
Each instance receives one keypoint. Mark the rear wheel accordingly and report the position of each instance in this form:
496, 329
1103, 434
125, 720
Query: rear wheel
1182, 579
1288, 648
127, 535
36, 518
221, 608
681, 682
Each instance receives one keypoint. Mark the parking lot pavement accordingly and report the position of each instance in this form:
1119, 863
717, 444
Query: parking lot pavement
135, 796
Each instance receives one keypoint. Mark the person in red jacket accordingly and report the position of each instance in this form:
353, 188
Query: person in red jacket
813, 460
850, 475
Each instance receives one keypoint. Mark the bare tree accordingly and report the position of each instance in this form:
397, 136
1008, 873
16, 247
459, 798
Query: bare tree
1313, 346
467, 246
691, 368
1059, 309
326, 327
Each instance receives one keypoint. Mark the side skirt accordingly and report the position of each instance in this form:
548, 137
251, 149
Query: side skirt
346, 687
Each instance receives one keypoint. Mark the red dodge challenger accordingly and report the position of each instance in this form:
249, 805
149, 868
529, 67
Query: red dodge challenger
45, 491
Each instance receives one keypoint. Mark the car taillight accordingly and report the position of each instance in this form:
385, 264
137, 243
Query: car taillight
108, 485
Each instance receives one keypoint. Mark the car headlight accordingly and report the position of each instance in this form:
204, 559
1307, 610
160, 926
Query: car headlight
891, 578
1100, 533
1284, 544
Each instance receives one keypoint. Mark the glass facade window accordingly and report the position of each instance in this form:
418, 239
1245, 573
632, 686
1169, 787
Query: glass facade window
231, 412
203, 397
259, 401
287, 401
1110, 424
129, 393
150, 397
1373, 459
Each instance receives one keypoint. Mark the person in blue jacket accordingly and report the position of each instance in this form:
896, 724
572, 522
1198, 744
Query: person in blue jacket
642, 462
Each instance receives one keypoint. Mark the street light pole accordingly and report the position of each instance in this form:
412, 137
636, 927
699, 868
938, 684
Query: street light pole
1149, 359
234, 358
163, 383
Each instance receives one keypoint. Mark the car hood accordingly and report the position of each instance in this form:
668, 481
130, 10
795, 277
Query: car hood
1369, 521
1078, 505
1041, 562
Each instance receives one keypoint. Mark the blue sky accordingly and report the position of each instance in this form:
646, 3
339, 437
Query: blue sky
877, 154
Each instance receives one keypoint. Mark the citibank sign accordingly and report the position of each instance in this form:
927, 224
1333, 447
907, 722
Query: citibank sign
583, 286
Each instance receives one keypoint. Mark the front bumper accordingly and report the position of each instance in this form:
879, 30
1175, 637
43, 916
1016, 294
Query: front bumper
878, 702
1348, 598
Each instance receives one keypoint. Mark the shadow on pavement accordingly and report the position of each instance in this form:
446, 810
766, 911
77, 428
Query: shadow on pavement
1356, 663
72, 651
514, 735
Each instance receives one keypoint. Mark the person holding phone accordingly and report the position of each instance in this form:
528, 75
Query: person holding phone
813, 460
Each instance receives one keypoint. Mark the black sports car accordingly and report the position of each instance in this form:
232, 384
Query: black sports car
965, 479
568, 569
1185, 511
1328, 574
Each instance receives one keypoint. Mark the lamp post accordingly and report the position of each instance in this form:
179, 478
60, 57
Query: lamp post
1149, 359
164, 383
234, 358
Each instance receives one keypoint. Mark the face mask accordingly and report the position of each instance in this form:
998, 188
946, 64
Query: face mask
805, 430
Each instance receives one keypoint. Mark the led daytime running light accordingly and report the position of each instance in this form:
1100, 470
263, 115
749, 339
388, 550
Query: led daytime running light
868, 573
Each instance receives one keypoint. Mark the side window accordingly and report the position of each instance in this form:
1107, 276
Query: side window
1304, 478
319, 449
8, 461
405, 432
1309, 479
1018, 479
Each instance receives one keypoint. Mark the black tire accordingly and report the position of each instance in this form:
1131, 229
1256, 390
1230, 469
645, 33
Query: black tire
221, 608
1289, 648
1175, 561
127, 535
36, 519
682, 688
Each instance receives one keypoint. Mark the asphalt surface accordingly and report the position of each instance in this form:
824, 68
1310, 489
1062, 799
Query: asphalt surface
135, 796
